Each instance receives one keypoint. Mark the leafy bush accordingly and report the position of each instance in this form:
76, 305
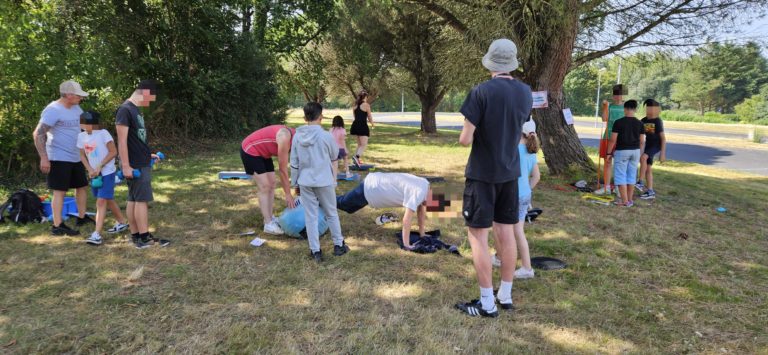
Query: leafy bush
691, 116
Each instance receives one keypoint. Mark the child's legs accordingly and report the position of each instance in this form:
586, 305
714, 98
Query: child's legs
311, 205
643, 167
101, 213
649, 177
141, 217
522, 242
326, 196
346, 163
620, 166
115, 208
634, 158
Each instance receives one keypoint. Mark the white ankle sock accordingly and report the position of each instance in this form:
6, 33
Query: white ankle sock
486, 298
505, 291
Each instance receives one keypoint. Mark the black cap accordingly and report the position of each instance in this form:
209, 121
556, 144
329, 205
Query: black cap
651, 103
619, 89
90, 117
147, 84
631, 104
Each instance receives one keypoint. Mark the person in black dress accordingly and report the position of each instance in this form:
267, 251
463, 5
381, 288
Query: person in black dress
362, 113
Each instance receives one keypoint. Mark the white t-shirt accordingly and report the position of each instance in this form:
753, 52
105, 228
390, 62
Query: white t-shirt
95, 146
65, 125
395, 190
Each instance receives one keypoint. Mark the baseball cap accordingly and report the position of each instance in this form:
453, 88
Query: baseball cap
72, 87
529, 127
90, 117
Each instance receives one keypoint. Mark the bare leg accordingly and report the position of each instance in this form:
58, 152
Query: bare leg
649, 177
101, 213
116, 211
507, 249
623, 192
522, 244
266, 194
57, 204
81, 197
607, 174
141, 214
478, 240
362, 143
643, 167
130, 210
346, 164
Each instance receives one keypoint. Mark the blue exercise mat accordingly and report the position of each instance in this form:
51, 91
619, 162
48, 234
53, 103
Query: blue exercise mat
233, 175
343, 176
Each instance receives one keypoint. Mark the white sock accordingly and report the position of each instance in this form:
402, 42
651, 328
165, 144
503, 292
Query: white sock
505, 292
486, 298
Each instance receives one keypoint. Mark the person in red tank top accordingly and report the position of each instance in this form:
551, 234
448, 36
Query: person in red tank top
256, 152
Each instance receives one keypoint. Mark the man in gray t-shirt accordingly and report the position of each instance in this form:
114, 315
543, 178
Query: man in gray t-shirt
56, 142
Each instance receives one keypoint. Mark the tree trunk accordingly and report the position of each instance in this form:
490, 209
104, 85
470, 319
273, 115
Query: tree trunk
428, 122
562, 148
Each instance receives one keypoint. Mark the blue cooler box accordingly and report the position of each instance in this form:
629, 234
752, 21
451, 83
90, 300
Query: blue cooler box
70, 207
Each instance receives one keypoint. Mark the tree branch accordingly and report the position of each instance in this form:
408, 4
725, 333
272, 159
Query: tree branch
446, 14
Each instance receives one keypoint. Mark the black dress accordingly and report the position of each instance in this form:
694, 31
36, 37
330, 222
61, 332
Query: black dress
360, 125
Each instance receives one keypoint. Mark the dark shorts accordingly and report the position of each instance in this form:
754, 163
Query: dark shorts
360, 128
485, 203
107, 189
140, 190
66, 175
257, 165
342, 153
651, 152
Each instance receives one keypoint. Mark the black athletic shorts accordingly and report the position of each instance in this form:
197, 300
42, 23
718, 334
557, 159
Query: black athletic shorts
485, 203
66, 175
651, 152
254, 164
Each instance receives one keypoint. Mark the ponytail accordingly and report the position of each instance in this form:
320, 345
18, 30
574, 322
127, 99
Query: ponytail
532, 143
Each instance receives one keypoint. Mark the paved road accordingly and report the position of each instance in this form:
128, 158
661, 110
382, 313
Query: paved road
745, 160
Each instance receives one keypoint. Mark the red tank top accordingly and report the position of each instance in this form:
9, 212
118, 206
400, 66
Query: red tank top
263, 143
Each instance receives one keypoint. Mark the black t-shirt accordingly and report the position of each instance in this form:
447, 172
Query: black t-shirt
629, 130
498, 108
652, 127
139, 154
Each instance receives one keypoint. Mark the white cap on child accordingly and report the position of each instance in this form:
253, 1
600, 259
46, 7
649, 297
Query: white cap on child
529, 127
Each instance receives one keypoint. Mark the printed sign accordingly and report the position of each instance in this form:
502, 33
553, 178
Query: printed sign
540, 99
568, 116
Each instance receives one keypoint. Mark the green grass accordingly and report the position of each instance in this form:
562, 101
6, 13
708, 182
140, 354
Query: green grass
632, 285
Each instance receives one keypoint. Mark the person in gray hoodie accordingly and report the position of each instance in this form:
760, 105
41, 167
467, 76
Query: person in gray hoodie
313, 151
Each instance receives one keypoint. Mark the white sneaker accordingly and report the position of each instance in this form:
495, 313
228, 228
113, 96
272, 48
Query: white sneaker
603, 190
119, 227
523, 273
94, 239
495, 261
349, 175
273, 228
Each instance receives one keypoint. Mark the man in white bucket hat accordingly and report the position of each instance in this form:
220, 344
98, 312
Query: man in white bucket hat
56, 142
494, 113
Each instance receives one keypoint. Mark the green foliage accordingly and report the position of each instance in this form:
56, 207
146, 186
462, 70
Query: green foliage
755, 108
692, 116
214, 61
580, 88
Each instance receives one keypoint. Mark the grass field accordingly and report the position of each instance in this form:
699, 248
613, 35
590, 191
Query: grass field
673, 276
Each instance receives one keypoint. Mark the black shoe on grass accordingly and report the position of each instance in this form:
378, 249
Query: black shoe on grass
139, 243
506, 306
85, 220
356, 161
160, 242
475, 308
317, 255
63, 229
340, 250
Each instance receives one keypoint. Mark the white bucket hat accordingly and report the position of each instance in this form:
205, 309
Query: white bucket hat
501, 56
72, 87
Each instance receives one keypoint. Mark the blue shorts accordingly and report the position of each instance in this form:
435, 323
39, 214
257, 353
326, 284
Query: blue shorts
353, 200
625, 166
107, 189
342, 153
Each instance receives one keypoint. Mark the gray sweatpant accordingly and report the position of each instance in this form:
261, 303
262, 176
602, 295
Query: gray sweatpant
314, 198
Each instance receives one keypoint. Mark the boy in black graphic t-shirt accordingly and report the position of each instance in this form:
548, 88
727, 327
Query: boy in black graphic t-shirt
655, 142
136, 155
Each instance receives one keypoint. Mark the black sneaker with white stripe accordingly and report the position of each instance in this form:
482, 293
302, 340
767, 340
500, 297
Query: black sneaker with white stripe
160, 242
474, 308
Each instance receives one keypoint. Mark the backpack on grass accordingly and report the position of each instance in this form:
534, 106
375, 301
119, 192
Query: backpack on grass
23, 206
